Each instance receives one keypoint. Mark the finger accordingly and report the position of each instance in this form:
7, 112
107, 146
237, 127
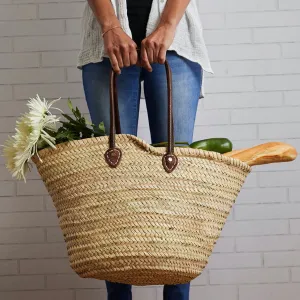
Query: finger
150, 55
133, 57
114, 63
126, 59
119, 59
138, 63
156, 55
144, 60
125, 55
162, 55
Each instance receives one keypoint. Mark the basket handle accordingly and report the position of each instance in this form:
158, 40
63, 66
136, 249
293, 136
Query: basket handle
113, 155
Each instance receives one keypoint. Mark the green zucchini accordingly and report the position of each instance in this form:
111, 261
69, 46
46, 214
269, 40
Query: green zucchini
177, 144
220, 145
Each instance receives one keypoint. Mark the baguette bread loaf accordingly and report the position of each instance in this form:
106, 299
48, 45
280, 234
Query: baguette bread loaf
273, 152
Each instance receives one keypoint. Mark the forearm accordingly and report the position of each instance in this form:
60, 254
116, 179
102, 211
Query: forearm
173, 12
104, 13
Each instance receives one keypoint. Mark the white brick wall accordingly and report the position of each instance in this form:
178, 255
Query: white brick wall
253, 97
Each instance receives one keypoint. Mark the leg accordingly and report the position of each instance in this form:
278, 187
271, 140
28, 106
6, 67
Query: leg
177, 292
118, 291
186, 81
96, 86
96, 79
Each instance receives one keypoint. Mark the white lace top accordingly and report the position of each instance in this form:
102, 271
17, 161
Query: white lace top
188, 41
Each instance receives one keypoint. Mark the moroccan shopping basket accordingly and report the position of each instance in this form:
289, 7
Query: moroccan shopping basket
132, 213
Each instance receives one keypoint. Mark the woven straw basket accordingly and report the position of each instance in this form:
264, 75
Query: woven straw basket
128, 218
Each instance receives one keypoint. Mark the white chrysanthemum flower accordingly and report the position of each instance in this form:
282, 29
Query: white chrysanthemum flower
9, 152
16, 149
40, 107
33, 131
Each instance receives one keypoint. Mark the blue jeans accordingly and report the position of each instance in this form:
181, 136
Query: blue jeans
187, 76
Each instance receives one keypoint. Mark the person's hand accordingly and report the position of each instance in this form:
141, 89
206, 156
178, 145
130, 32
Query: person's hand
155, 46
121, 49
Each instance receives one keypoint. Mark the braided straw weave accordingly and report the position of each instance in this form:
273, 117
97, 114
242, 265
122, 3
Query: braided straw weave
136, 223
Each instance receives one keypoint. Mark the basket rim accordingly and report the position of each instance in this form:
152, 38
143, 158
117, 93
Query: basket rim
159, 151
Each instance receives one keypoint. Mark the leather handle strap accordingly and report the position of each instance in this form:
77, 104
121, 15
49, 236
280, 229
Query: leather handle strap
170, 160
114, 107
113, 154
118, 124
170, 110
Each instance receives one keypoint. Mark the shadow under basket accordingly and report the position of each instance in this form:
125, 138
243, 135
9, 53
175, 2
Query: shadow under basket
136, 223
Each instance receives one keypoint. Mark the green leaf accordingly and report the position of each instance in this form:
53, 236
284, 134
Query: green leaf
50, 132
102, 127
82, 121
70, 105
70, 119
87, 132
66, 136
99, 130
68, 125
88, 122
77, 113
76, 127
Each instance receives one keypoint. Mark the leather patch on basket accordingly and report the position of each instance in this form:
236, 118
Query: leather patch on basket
113, 157
170, 162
